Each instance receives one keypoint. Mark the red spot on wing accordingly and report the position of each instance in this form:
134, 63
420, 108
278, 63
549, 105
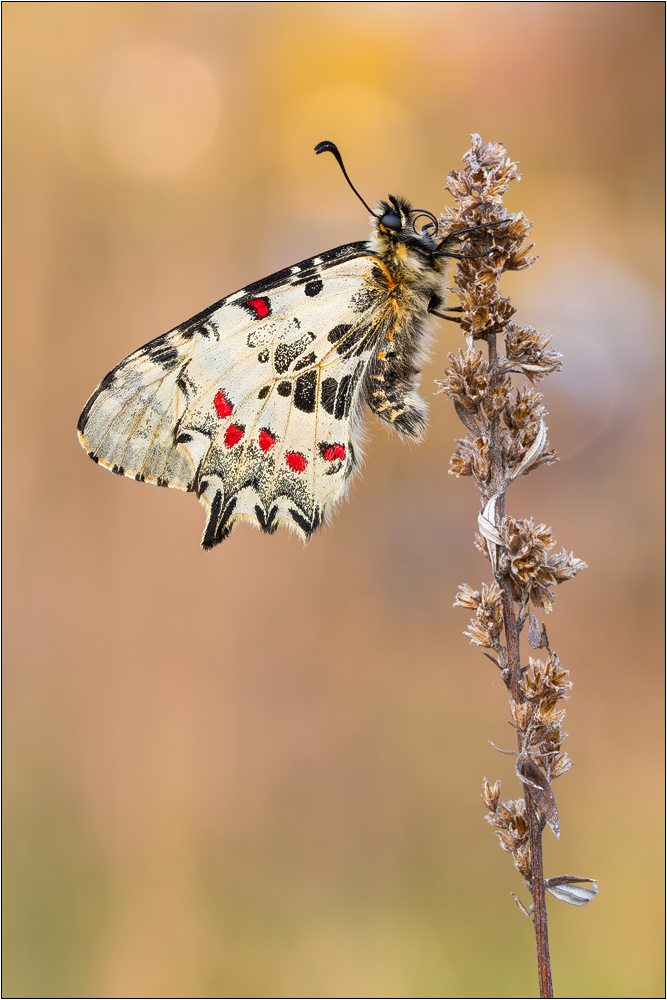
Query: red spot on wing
266, 440
222, 405
331, 452
261, 307
233, 435
295, 461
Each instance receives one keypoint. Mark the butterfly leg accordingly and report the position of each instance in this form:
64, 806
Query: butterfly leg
452, 319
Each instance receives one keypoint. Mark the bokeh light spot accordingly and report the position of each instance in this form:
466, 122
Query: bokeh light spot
159, 107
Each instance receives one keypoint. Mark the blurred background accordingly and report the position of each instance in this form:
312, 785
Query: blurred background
256, 772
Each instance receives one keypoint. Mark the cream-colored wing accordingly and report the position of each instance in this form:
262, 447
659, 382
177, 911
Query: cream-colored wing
255, 403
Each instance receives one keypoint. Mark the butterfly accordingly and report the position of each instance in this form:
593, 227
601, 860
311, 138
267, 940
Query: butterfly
256, 403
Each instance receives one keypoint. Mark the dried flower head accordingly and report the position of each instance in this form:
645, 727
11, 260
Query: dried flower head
510, 822
525, 561
467, 381
526, 350
471, 458
523, 416
545, 683
486, 626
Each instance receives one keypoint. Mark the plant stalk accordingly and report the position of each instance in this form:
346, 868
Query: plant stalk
535, 826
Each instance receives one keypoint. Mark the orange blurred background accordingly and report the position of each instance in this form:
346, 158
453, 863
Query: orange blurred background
256, 772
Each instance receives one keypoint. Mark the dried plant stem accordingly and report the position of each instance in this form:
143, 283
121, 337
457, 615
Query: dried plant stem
535, 827
506, 438
512, 639
513, 667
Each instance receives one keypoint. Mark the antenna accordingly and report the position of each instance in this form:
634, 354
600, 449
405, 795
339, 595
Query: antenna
330, 147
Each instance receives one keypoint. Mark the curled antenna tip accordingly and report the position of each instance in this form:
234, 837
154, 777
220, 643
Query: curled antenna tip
326, 146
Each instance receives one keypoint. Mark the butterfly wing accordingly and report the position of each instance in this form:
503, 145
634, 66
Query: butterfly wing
254, 404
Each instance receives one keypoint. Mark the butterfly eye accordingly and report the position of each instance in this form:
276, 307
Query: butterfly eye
391, 222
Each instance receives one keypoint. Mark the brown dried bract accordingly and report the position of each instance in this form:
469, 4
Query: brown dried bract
486, 626
511, 825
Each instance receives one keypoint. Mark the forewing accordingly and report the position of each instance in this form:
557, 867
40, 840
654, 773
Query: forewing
253, 404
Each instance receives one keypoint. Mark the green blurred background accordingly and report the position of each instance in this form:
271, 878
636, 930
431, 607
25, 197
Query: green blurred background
256, 772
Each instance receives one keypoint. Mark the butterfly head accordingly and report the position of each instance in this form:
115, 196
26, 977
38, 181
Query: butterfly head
396, 223
397, 230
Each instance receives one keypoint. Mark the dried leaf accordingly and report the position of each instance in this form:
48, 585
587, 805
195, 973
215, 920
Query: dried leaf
530, 774
486, 521
533, 452
572, 889
533, 632
466, 418
491, 795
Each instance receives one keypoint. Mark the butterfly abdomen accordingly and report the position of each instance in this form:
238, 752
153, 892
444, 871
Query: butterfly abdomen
408, 279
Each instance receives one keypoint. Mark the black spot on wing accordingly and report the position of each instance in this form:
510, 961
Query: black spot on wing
285, 354
282, 358
304, 392
342, 407
299, 519
217, 526
328, 394
267, 522
306, 526
264, 392
162, 352
224, 528
338, 332
314, 287
309, 359
208, 541
347, 347
284, 388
